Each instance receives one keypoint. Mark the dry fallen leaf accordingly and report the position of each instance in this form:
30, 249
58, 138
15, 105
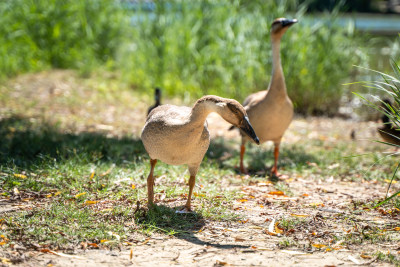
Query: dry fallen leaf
277, 229
4, 240
271, 226
91, 175
299, 215
5, 260
264, 183
333, 166
312, 164
91, 202
20, 176
292, 252
146, 241
131, 254
80, 194
277, 193
108, 171
84, 245
105, 210
133, 186
46, 250
16, 191
318, 245
220, 262
365, 256
239, 239
317, 204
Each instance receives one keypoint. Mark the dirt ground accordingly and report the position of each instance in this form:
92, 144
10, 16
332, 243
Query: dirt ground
249, 242
256, 240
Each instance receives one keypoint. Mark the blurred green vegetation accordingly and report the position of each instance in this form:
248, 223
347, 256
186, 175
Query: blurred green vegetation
190, 48
41, 34
223, 47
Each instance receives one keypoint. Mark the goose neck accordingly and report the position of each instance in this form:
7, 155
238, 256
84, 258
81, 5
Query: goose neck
200, 112
276, 57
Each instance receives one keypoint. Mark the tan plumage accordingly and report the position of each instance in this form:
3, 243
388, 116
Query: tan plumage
271, 111
179, 135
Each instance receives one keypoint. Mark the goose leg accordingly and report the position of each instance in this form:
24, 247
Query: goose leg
192, 182
242, 150
274, 170
150, 183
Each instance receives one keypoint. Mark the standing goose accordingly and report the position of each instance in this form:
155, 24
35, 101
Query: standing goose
157, 98
271, 111
179, 135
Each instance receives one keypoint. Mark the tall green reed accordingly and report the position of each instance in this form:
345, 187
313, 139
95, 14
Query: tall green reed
388, 87
223, 47
190, 48
40, 34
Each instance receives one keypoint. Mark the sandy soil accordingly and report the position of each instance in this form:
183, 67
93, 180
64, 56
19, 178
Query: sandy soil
324, 205
249, 243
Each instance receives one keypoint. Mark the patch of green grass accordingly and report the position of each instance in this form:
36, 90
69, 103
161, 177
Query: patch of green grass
65, 174
388, 257
168, 221
62, 222
291, 223
82, 185
287, 242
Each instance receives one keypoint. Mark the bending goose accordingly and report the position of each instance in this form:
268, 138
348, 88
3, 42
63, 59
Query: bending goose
389, 132
271, 111
179, 135
157, 98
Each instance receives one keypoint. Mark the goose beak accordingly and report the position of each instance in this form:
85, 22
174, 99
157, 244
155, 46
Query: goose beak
288, 22
248, 129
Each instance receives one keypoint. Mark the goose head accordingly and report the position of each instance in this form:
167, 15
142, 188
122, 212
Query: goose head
280, 26
157, 94
234, 113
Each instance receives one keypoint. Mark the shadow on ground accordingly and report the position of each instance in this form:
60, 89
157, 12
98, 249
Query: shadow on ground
259, 160
182, 225
26, 141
